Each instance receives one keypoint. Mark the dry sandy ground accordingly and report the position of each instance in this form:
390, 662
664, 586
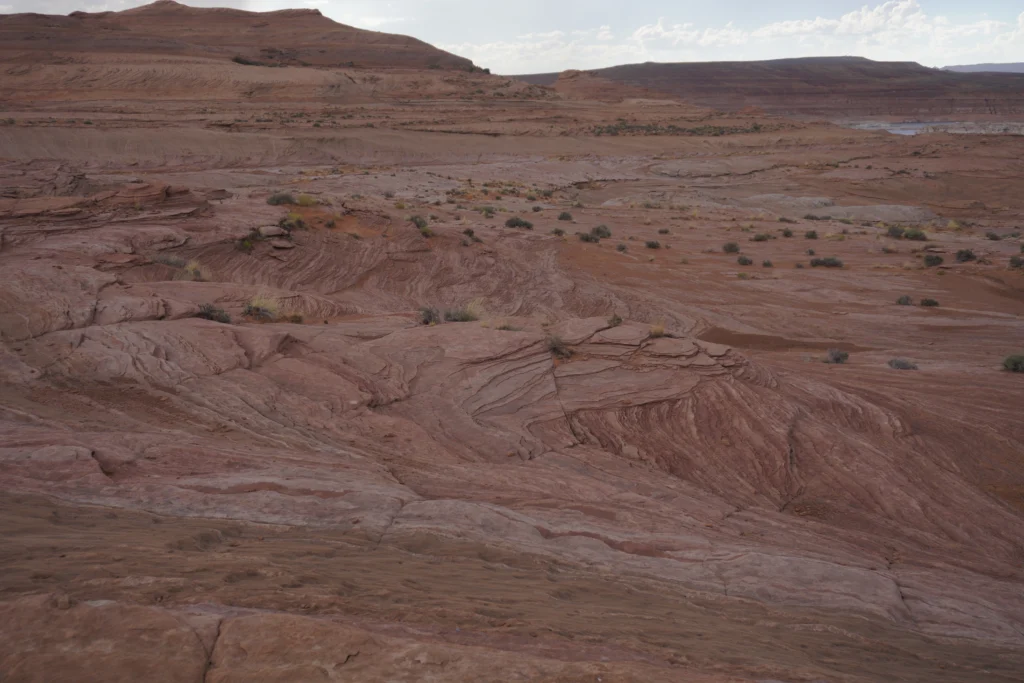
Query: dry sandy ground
634, 465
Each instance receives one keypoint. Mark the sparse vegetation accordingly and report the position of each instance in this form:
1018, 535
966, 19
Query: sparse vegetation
836, 356
767, 264
827, 262
744, 261
621, 247
194, 271
615, 320
1016, 262
1014, 363
419, 221
731, 248
430, 316
211, 312
169, 260
587, 237
905, 301
787, 232
965, 255
810, 252
601, 231
811, 234
916, 235
565, 216
292, 221
658, 330
537, 209
517, 222
895, 231
995, 237
261, 307
662, 231
902, 364
466, 314
929, 302
279, 198
652, 244
783, 219
760, 237
558, 232
306, 200
932, 260
559, 348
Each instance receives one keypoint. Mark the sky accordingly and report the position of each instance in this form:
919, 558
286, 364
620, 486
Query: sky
537, 36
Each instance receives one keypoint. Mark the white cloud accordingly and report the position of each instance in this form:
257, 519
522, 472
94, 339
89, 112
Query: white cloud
899, 30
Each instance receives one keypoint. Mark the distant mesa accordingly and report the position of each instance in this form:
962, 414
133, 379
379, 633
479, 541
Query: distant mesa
292, 37
813, 86
1017, 68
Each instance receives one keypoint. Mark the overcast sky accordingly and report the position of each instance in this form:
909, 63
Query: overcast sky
530, 36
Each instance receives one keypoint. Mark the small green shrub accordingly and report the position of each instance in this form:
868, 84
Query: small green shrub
731, 248
652, 244
744, 261
468, 232
565, 216
306, 200
787, 232
537, 209
905, 301
827, 262
615, 320
292, 221
902, 364
279, 198
929, 302
170, 260
1016, 262
836, 356
931, 260
460, 315
767, 264
761, 237
430, 316
601, 231
1014, 363
517, 222
662, 231
559, 348
558, 232
895, 231
419, 221
621, 247
426, 232
211, 312
995, 237
783, 219
916, 235
810, 252
811, 234
965, 255
587, 237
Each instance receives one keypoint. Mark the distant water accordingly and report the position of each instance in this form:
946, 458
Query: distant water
961, 127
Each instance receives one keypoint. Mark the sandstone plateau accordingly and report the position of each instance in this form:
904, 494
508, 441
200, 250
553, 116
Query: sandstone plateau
233, 451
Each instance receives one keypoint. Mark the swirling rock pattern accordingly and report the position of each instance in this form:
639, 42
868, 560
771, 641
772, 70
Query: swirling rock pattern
624, 464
